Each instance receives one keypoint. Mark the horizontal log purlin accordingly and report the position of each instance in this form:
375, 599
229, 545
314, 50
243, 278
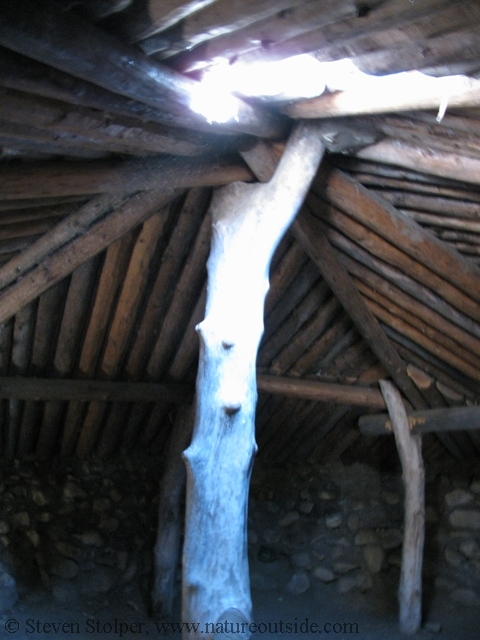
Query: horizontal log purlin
39, 389
26, 145
439, 136
24, 388
461, 46
321, 391
392, 254
427, 337
426, 421
162, 14
344, 37
391, 184
60, 179
442, 207
385, 174
392, 294
440, 221
16, 210
71, 44
413, 353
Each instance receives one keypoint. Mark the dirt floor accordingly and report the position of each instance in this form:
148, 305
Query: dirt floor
372, 616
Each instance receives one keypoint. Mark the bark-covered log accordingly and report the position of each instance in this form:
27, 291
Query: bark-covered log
248, 222
410, 452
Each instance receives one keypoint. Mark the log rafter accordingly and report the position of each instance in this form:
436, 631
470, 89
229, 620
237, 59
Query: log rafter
68, 256
71, 44
380, 217
317, 246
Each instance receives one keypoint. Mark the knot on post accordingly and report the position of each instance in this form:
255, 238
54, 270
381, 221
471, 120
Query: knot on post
232, 408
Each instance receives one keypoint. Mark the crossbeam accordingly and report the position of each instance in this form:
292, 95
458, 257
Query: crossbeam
425, 421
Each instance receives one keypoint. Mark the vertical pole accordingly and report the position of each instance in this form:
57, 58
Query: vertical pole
410, 451
168, 542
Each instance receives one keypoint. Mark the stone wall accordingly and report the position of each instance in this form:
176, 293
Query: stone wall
84, 531
343, 526
87, 530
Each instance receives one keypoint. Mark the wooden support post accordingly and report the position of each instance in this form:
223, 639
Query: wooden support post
410, 452
248, 222
167, 545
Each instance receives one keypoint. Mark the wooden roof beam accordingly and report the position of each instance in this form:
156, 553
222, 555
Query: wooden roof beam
68, 389
66, 257
401, 231
29, 76
430, 420
437, 163
321, 252
241, 39
320, 391
391, 94
60, 179
36, 389
221, 18
23, 116
66, 42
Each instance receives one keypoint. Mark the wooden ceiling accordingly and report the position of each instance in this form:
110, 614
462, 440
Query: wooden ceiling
105, 181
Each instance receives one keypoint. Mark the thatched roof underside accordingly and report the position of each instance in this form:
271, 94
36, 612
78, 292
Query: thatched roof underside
105, 184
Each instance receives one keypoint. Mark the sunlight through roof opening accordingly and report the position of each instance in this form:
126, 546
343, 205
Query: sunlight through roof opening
302, 77
289, 79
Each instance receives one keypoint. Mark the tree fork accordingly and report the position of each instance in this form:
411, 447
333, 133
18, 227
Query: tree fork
248, 221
